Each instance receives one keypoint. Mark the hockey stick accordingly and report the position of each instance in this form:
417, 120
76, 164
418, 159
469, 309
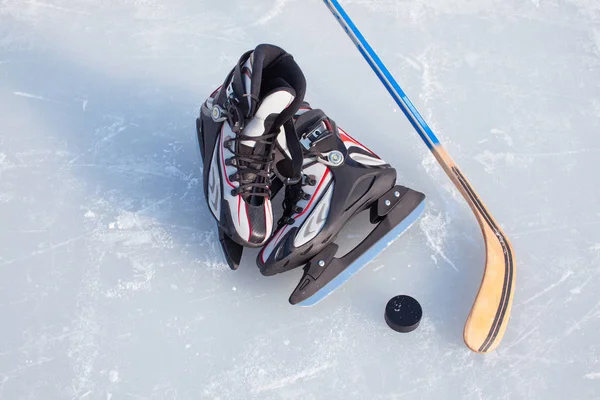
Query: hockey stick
488, 318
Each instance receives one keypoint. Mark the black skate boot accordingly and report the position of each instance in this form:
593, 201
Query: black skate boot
341, 178
236, 131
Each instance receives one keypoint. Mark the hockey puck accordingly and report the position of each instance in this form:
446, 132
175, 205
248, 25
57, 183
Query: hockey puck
403, 313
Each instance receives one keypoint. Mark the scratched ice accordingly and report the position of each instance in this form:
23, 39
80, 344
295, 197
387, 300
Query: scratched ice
111, 283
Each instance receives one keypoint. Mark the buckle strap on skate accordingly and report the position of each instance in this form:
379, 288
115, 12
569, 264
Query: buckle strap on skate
288, 181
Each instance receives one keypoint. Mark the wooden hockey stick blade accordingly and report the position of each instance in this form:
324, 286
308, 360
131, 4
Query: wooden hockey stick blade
489, 315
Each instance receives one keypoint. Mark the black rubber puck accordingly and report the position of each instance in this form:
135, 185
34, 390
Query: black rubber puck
403, 313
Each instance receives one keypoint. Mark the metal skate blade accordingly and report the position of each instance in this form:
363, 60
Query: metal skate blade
365, 258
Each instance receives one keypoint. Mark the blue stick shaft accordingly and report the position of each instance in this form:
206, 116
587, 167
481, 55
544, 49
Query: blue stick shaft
384, 75
488, 319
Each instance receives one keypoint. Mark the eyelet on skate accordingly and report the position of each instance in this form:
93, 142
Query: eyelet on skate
297, 209
309, 180
289, 221
234, 177
234, 192
230, 161
305, 196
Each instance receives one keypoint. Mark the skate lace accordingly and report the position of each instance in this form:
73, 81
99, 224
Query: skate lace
253, 170
254, 173
293, 194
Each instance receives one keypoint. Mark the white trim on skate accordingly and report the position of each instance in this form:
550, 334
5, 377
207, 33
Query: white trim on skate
248, 78
274, 103
268, 218
366, 160
214, 185
349, 141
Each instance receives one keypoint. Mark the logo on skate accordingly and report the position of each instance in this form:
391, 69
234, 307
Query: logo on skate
316, 220
315, 224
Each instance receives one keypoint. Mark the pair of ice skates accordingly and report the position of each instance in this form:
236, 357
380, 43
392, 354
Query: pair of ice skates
257, 136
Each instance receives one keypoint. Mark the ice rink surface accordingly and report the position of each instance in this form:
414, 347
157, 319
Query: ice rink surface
111, 282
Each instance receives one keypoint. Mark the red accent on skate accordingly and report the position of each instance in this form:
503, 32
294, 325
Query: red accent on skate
215, 92
346, 137
239, 204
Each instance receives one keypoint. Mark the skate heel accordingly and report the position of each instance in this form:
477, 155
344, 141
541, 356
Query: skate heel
232, 251
393, 213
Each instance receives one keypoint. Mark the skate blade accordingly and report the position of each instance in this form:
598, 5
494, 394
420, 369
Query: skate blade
231, 251
365, 258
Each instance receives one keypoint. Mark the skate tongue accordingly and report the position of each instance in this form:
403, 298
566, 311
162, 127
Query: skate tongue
274, 103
